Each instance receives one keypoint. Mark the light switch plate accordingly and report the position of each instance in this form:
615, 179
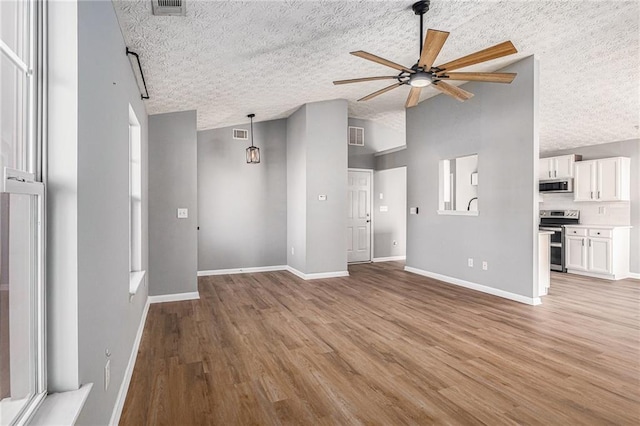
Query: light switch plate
183, 213
381, 196
322, 198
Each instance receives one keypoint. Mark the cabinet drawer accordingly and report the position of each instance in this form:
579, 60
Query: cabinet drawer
577, 231
603, 233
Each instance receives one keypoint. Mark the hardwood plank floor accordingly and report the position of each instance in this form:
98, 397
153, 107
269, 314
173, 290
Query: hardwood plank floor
388, 347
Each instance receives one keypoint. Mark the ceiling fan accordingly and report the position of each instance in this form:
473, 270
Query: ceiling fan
423, 73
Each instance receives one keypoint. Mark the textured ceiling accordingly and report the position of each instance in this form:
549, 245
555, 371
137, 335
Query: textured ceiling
229, 58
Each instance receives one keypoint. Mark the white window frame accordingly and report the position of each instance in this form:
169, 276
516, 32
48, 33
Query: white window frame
136, 272
29, 182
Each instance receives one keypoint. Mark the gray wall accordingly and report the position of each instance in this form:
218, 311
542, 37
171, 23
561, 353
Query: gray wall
242, 208
377, 137
107, 318
628, 148
390, 225
173, 181
317, 165
499, 125
326, 174
297, 190
391, 160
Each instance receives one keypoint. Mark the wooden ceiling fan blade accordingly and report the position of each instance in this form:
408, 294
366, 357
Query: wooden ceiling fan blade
414, 97
371, 57
433, 42
490, 77
380, 92
358, 80
493, 52
451, 90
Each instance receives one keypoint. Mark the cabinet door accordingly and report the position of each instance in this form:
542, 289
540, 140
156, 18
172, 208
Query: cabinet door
576, 253
608, 180
600, 255
584, 181
563, 166
545, 166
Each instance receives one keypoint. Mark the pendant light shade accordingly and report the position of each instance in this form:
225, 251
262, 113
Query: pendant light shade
253, 152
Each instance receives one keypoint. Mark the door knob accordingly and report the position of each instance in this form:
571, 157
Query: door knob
368, 221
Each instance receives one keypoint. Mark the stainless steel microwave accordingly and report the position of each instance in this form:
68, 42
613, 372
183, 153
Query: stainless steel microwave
557, 185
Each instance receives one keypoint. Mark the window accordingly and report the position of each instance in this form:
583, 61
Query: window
22, 322
135, 206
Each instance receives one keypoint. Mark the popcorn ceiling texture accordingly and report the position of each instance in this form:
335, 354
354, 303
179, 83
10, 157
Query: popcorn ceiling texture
229, 58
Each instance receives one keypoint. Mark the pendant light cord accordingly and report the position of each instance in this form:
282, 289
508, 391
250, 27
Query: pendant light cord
251, 132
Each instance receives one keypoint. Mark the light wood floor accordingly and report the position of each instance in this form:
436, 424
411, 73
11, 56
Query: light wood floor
387, 347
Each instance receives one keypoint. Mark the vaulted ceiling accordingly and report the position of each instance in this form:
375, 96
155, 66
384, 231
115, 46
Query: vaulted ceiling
229, 58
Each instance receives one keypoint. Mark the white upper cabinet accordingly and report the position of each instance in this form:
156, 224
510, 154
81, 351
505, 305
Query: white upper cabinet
607, 179
557, 167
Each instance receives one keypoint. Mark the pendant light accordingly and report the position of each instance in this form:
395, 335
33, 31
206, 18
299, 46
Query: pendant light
253, 152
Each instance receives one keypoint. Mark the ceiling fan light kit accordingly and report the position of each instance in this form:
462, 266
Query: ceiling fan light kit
423, 73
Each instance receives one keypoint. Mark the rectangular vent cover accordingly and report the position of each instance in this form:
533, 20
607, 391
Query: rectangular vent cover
356, 136
169, 7
241, 134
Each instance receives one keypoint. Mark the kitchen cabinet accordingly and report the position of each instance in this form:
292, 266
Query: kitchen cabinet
557, 167
597, 251
606, 179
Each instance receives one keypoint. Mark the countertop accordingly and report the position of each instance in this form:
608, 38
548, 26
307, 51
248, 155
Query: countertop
598, 226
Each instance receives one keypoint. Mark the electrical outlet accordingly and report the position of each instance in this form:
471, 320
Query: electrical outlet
107, 374
485, 265
470, 262
293, 251
602, 210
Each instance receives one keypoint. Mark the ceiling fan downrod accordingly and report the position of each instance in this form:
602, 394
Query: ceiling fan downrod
420, 8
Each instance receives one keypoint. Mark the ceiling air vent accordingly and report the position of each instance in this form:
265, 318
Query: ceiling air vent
241, 134
356, 136
169, 7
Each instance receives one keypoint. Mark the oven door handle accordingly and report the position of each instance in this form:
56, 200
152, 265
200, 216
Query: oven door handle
548, 228
556, 245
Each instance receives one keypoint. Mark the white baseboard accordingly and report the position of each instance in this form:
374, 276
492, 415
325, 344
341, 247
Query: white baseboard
242, 270
177, 297
634, 275
317, 275
389, 259
477, 287
124, 386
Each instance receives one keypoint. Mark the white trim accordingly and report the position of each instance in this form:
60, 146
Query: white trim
317, 275
458, 212
611, 277
389, 258
634, 275
135, 279
390, 150
124, 386
61, 408
11, 55
242, 270
176, 297
477, 287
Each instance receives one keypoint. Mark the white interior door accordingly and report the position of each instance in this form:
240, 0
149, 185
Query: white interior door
359, 216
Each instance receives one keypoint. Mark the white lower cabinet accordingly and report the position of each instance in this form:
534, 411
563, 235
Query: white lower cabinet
601, 251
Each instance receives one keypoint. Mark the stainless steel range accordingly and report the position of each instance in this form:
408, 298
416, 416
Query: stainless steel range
554, 220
